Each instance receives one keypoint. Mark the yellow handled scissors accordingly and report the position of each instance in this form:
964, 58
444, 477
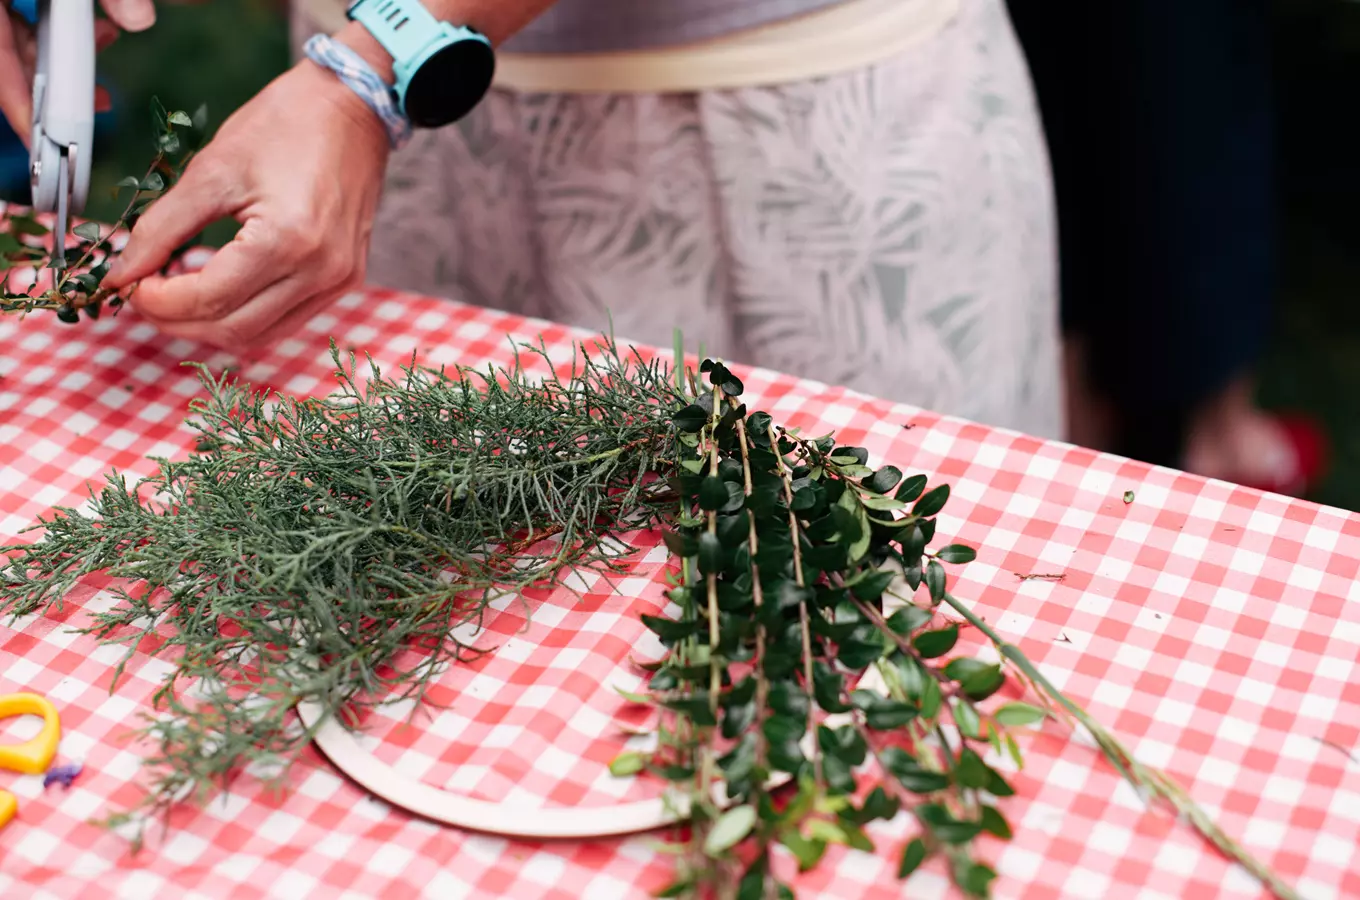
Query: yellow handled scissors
33, 756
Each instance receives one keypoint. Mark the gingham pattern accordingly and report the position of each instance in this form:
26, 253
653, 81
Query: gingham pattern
1215, 629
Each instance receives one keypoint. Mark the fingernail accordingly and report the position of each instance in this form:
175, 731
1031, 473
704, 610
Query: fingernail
138, 16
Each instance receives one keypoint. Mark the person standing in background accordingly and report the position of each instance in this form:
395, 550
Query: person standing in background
856, 191
1160, 121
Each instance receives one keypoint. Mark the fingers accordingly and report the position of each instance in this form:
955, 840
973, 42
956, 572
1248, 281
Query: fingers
241, 270
201, 197
280, 310
130, 15
16, 93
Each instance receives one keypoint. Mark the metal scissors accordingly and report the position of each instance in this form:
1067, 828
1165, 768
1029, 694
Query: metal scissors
63, 112
33, 756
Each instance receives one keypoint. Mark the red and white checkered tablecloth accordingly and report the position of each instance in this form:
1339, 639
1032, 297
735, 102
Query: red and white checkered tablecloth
1215, 629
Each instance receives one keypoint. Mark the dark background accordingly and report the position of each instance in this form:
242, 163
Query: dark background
222, 51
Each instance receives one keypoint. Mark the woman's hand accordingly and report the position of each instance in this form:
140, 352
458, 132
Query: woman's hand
300, 167
19, 56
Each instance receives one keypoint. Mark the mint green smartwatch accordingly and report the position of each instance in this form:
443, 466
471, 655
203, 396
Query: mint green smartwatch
442, 70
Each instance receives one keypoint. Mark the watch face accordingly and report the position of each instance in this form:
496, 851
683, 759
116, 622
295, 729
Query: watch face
449, 84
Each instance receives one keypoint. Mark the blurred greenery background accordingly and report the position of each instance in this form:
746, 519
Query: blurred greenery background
221, 52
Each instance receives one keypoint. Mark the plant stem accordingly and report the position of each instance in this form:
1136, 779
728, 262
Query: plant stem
1137, 774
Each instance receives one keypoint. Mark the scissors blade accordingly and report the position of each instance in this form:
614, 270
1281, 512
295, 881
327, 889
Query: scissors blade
63, 213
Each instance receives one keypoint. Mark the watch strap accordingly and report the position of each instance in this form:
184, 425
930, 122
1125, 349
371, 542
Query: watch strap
360, 77
403, 27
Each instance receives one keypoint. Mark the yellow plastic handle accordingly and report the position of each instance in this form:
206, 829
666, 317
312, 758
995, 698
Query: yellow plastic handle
33, 756
9, 805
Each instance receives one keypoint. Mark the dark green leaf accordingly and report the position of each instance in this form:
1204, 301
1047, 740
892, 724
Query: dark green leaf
878, 805
840, 778
935, 581
908, 619
766, 499
663, 680
884, 480
732, 386
87, 230
804, 499
912, 856
786, 757
997, 786
783, 729
889, 714
970, 771
964, 668
974, 878
862, 649
910, 773
743, 692
696, 707
734, 530
858, 455
153, 182
932, 644
669, 629
913, 577
828, 688
712, 493
913, 544
826, 557
179, 118
758, 427
675, 773
710, 553
983, 684
691, 419
872, 585
930, 698
931, 503
845, 743
736, 498
910, 489
956, 554
994, 823
737, 719
787, 699
956, 832
677, 888
27, 225
681, 545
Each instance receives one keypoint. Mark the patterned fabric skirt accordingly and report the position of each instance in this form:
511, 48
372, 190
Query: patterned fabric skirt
890, 229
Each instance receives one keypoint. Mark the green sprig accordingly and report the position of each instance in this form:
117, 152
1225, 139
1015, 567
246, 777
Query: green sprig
309, 544
78, 286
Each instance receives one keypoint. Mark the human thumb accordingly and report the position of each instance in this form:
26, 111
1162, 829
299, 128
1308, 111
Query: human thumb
131, 15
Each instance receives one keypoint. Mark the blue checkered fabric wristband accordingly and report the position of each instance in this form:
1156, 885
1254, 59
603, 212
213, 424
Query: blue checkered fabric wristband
359, 76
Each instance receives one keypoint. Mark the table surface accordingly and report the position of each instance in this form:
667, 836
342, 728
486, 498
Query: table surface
1215, 629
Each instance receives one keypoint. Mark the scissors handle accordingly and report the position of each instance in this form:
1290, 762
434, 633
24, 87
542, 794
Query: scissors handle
63, 101
33, 756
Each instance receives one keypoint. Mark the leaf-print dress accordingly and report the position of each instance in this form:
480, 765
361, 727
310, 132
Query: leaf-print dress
889, 229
